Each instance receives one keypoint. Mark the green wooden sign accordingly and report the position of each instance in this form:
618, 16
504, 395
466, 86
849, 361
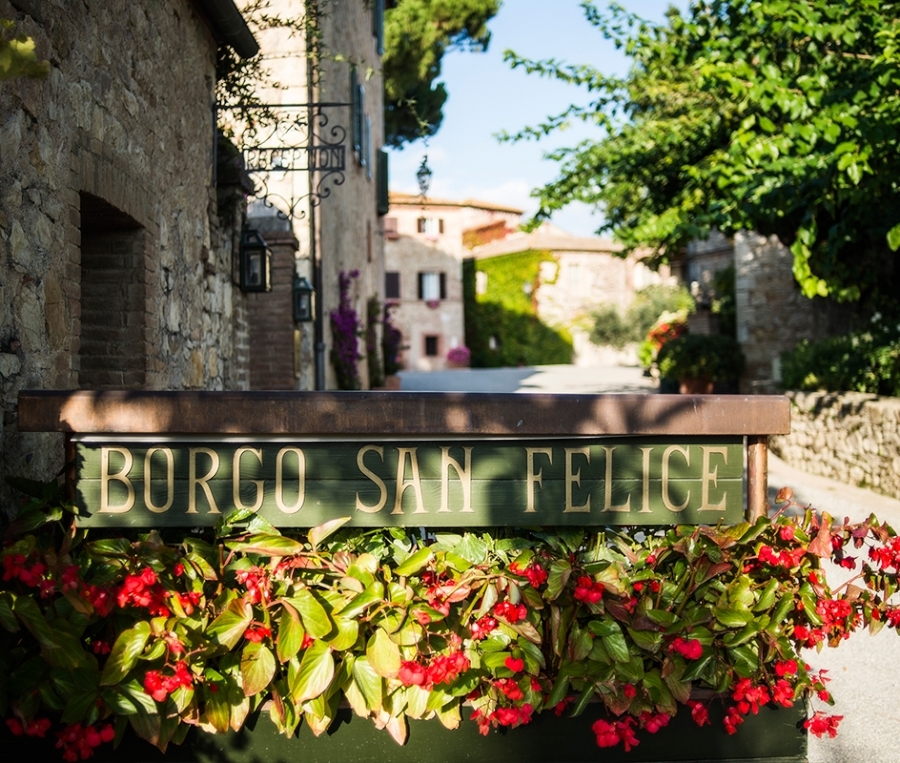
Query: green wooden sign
185, 482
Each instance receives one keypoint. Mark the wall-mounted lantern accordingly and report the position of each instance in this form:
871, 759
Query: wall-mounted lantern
256, 262
303, 295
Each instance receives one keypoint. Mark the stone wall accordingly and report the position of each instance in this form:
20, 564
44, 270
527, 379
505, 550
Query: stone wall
115, 269
772, 313
850, 437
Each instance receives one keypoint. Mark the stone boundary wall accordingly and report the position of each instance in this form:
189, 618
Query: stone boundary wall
850, 437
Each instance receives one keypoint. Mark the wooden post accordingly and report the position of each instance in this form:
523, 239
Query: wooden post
757, 477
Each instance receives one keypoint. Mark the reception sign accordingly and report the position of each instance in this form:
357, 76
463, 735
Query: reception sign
147, 482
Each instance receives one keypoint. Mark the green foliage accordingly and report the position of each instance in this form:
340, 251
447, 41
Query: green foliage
99, 633
864, 361
17, 54
417, 33
610, 328
780, 116
508, 315
698, 356
645, 311
374, 320
723, 303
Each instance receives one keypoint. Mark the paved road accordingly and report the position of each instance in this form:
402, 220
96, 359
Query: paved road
865, 671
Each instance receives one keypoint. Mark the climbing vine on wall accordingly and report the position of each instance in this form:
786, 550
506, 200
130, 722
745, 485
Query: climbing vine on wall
502, 323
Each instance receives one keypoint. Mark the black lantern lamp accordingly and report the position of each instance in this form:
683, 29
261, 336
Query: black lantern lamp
303, 296
256, 262
423, 175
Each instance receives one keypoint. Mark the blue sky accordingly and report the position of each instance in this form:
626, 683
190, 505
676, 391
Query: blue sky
487, 97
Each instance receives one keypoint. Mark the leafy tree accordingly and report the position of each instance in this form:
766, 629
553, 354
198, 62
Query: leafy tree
17, 54
781, 116
417, 33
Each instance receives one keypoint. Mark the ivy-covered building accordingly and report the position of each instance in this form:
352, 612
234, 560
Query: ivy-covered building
532, 295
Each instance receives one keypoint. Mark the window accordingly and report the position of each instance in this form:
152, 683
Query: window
481, 282
357, 118
392, 285
432, 286
390, 228
430, 226
378, 25
382, 205
431, 346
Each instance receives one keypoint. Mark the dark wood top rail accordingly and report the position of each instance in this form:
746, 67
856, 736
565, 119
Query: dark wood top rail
406, 413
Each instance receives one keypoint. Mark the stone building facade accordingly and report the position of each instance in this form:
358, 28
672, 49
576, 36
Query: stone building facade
424, 252
772, 313
333, 215
116, 257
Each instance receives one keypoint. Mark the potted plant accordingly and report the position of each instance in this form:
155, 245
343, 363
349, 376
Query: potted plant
459, 357
108, 635
698, 362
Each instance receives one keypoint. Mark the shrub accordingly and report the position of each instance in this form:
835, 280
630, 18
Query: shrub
865, 361
101, 632
391, 342
610, 329
697, 356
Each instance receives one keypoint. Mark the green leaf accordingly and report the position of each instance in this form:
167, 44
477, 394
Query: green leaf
218, 710
732, 617
318, 534
383, 654
361, 602
228, 628
369, 682
893, 238
472, 549
267, 545
415, 562
315, 619
649, 641
347, 633
290, 633
257, 668
558, 577
315, 673
125, 653
7, 618
559, 691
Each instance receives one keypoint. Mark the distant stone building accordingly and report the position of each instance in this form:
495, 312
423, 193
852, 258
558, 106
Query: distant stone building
580, 274
117, 255
325, 216
423, 270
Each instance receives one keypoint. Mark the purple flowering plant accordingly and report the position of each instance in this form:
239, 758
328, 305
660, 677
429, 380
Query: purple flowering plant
345, 331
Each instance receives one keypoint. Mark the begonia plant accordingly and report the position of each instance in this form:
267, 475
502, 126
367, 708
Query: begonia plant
99, 633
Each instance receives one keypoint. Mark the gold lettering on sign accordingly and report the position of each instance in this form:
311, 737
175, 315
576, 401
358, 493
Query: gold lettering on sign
711, 476
403, 483
464, 474
194, 481
645, 480
574, 478
236, 479
533, 477
667, 454
170, 480
279, 480
382, 499
119, 476
608, 485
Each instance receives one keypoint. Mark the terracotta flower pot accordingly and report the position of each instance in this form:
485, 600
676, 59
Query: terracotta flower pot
695, 385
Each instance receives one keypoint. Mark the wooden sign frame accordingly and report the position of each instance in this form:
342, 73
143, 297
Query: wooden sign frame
423, 459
